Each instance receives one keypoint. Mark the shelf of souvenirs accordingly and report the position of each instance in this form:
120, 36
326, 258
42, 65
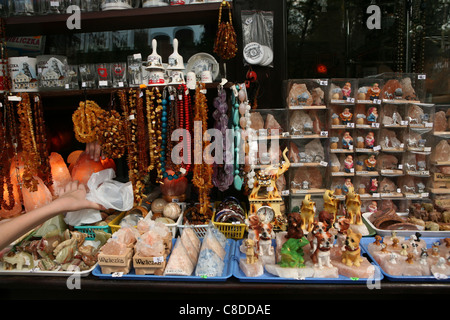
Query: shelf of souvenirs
398, 195
114, 20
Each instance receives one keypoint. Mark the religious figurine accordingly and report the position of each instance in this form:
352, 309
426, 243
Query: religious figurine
348, 163
374, 92
371, 163
346, 116
347, 140
372, 115
370, 140
346, 91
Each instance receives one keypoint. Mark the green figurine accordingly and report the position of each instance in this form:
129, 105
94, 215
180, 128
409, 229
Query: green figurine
292, 253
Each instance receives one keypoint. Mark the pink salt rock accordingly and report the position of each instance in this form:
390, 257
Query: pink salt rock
365, 270
113, 247
179, 263
391, 266
296, 90
415, 113
411, 269
294, 153
312, 175
388, 90
387, 186
271, 125
317, 96
408, 91
326, 272
440, 121
298, 120
251, 269
60, 173
440, 268
17, 209
318, 124
38, 198
441, 152
127, 236
257, 121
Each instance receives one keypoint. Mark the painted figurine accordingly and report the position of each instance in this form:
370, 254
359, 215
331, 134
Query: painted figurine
347, 185
373, 185
348, 163
373, 207
347, 140
371, 163
369, 141
346, 91
346, 116
374, 92
372, 116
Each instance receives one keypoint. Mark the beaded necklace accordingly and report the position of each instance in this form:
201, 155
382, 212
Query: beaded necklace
237, 180
5, 174
184, 122
225, 44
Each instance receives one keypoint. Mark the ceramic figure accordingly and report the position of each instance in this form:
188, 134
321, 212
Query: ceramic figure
346, 116
347, 140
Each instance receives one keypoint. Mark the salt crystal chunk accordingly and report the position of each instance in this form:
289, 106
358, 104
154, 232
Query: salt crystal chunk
251, 269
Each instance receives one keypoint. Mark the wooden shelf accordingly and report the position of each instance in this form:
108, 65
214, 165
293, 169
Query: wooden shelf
139, 18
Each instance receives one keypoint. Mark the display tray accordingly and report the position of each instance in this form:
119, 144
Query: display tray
405, 233
428, 240
227, 271
270, 278
38, 272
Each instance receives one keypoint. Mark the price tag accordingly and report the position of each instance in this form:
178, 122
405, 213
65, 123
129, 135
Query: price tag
137, 56
285, 192
402, 145
425, 194
375, 125
352, 170
350, 147
427, 149
323, 82
350, 125
285, 134
377, 148
14, 98
351, 100
421, 76
404, 123
120, 84
376, 195
262, 132
323, 163
131, 117
54, 3
175, 200
117, 274
158, 259
324, 133
203, 91
83, 84
377, 101
103, 83
67, 86
400, 166
428, 124
399, 190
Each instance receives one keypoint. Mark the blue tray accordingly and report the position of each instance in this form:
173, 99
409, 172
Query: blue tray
229, 248
428, 240
270, 278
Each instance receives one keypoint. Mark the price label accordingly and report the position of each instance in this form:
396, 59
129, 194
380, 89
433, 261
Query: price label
421, 76
323, 82
285, 192
131, 117
324, 163
137, 56
117, 274
120, 84
350, 147
399, 190
158, 259
400, 166
14, 98
377, 148
54, 3
377, 101
351, 100
376, 195
324, 133
428, 124
404, 123
425, 194
427, 149
375, 125
350, 125
103, 83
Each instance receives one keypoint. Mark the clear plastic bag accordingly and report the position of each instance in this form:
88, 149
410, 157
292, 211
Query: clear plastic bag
257, 34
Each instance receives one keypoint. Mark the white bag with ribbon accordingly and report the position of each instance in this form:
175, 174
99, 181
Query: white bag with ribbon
105, 191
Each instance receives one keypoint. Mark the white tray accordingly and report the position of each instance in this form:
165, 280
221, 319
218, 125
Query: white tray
405, 233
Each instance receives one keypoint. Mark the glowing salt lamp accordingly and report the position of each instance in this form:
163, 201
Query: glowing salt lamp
60, 173
108, 163
17, 209
38, 198
72, 158
85, 167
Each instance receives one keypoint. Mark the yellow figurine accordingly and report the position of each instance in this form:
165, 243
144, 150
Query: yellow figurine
353, 205
307, 212
330, 204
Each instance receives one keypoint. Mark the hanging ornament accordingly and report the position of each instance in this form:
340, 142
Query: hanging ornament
225, 44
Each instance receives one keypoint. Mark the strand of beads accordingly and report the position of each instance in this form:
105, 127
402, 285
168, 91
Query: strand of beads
184, 119
237, 180
165, 134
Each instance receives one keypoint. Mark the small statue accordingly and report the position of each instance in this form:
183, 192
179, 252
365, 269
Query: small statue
373, 187
373, 207
353, 205
374, 92
347, 90
347, 140
372, 116
348, 163
371, 163
307, 213
347, 185
251, 255
404, 251
351, 254
292, 253
410, 258
423, 256
346, 116
377, 241
370, 140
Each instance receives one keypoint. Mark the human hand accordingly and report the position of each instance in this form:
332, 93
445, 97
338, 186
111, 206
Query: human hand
94, 150
73, 197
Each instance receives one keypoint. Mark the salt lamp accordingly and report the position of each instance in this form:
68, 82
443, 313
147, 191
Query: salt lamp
72, 158
175, 188
38, 198
17, 209
60, 172
84, 167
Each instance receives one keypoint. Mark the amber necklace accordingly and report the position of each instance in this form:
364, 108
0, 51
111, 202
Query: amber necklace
225, 44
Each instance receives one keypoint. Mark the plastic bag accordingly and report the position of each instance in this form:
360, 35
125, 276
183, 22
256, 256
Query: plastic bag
109, 193
257, 34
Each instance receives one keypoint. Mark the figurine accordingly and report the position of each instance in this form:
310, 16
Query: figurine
371, 163
346, 116
307, 212
378, 239
370, 140
373, 207
346, 90
347, 185
330, 204
294, 229
250, 253
372, 117
347, 140
404, 251
351, 254
374, 92
321, 255
292, 253
410, 258
423, 256
373, 187
353, 204
348, 163
264, 239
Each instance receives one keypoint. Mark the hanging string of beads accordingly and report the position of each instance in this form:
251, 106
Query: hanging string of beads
184, 122
6, 185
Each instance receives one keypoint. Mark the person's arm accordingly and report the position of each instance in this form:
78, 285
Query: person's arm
72, 198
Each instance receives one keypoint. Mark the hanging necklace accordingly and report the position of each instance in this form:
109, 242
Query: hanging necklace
184, 122
225, 44
5, 174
